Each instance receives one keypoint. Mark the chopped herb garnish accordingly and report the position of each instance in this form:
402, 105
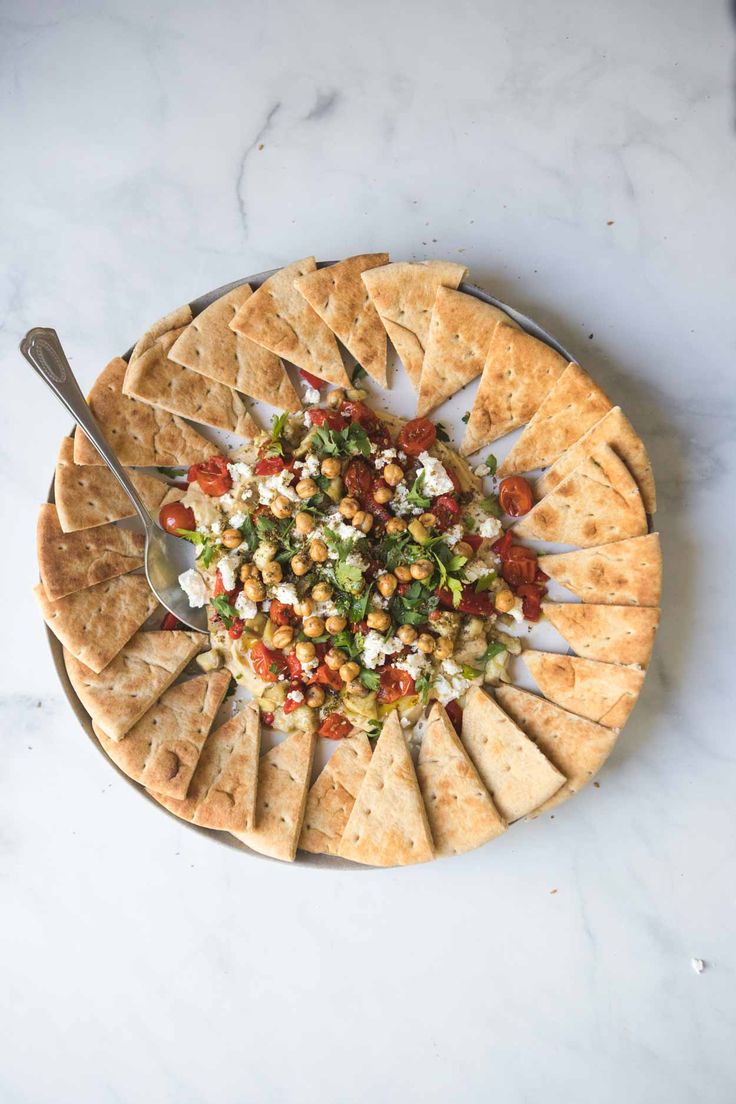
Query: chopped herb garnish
442, 434
374, 730
275, 446
341, 442
485, 582
207, 547
491, 463
422, 686
359, 373
273, 668
226, 612
465, 417
249, 534
172, 473
370, 679
493, 649
416, 496
491, 506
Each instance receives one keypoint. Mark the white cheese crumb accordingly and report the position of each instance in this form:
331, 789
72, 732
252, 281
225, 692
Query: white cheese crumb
454, 536
286, 593
240, 470
436, 479
375, 649
384, 458
450, 683
274, 485
697, 964
490, 528
309, 665
481, 470
193, 585
414, 663
311, 395
228, 567
237, 520
244, 607
295, 696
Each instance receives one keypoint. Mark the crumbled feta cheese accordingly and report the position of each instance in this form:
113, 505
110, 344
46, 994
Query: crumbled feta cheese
311, 395
516, 610
228, 567
490, 528
476, 569
227, 501
384, 458
436, 479
399, 503
237, 520
697, 964
378, 601
309, 666
240, 471
356, 560
344, 531
244, 607
295, 696
274, 485
375, 649
326, 609
311, 464
450, 683
286, 593
414, 663
454, 536
193, 585
481, 470
216, 528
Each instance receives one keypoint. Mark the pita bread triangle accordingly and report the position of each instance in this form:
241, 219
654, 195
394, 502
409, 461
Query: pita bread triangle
598, 502
87, 496
222, 793
138, 675
612, 634
625, 573
174, 320
460, 812
460, 332
332, 796
75, 561
613, 429
568, 410
403, 294
602, 692
578, 748
141, 435
283, 782
339, 297
162, 749
388, 824
210, 347
518, 372
515, 772
280, 319
94, 624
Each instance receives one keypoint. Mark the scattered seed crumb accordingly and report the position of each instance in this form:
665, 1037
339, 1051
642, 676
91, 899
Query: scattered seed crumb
610, 222
697, 964
590, 337
597, 785
261, 146
552, 891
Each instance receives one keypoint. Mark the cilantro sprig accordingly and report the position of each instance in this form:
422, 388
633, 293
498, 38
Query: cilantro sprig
224, 609
351, 441
208, 548
416, 496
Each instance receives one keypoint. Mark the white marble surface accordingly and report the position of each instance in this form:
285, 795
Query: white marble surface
580, 158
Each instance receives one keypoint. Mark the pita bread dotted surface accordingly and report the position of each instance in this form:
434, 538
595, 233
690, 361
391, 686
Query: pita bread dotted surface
340, 298
283, 782
388, 824
517, 775
119, 696
518, 372
174, 320
569, 409
459, 809
95, 623
577, 747
222, 793
331, 798
613, 429
596, 503
140, 434
602, 692
625, 573
87, 495
612, 634
75, 561
403, 294
162, 749
209, 346
280, 319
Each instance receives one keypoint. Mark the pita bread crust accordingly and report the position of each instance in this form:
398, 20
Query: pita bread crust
340, 298
331, 798
459, 809
94, 624
142, 435
139, 674
519, 371
403, 294
222, 793
75, 561
209, 346
460, 333
568, 410
280, 319
283, 782
597, 503
611, 634
87, 496
577, 747
388, 823
624, 573
514, 770
162, 749
602, 692
174, 320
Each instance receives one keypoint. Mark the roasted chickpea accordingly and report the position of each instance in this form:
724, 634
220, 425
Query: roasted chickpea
335, 659
314, 697
428, 520
264, 553
304, 607
386, 584
349, 507
403, 573
383, 493
363, 521
504, 600
322, 592
254, 590
249, 571
393, 474
444, 647
281, 507
303, 522
422, 569
305, 488
283, 636
417, 530
318, 551
407, 634
426, 643
272, 573
349, 671
336, 397
305, 651
313, 626
330, 467
231, 538
462, 548
378, 619
335, 624
395, 525
356, 689
300, 564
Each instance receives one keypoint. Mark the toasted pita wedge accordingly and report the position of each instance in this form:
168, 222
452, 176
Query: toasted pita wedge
518, 372
388, 824
613, 429
140, 434
331, 798
148, 664
569, 409
88, 496
460, 332
210, 347
625, 573
602, 692
94, 624
280, 319
403, 294
578, 748
174, 320
460, 812
162, 749
222, 793
596, 503
75, 561
517, 775
283, 782
340, 298
612, 634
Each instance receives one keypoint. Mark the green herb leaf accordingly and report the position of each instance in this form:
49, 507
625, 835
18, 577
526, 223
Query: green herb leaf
172, 473
341, 442
470, 672
493, 649
442, 434
374, 730
275, 446
465, 417
423, 685
359, 373
370, 679
456, 590
485, 582
249, 534
222, 606
491, 506
491, 463
416, 496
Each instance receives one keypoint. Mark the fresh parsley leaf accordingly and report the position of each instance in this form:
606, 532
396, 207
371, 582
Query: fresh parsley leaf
207, 547
208, 552
491, 463
374, 730
265, 525
359, 373
456, 590
273, 668
422, 686
249, 534
442, 434
172, 473
469, 523
191, 535
275, 446
466, 417
491, 506
456, 563
226, 612
485, 582
416, 496
493, 649
348, 576
370, 679
470, 672
341, 442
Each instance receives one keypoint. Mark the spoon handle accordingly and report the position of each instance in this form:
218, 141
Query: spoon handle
42, 349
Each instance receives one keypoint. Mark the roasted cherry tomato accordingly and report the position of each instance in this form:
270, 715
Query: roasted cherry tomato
290, 705
473, 540
212, 475
171, 622
364, 416
268, 719
480, 605
519, 565
312, 380
335, 726
267, 664
515, 495
219, 587
281, 613
330, 418
326, 677
531, 595
503, 544
236, 629
294, 666
176, 516
540, 576
378, 509
417, 436
446, 509
358, 478
455, 714
269, 465
395, 684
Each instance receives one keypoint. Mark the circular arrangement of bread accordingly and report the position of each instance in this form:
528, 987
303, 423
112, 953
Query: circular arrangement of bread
411, 646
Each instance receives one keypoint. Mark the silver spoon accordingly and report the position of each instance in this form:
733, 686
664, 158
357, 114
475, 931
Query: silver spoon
166, 556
